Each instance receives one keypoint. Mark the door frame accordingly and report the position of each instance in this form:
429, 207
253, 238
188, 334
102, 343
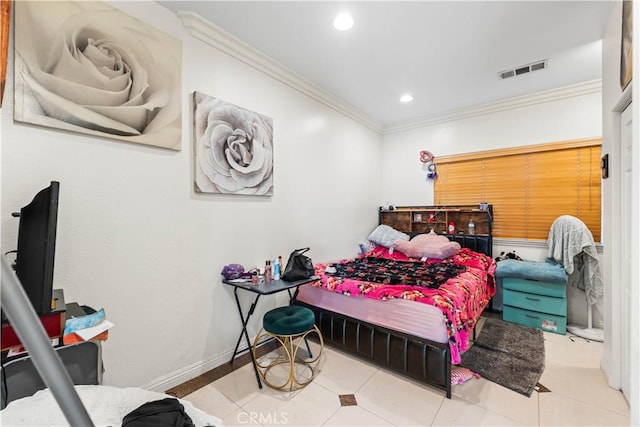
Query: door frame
626, 242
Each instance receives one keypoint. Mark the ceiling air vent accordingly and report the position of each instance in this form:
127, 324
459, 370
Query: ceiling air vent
507, 74
535, 66
538, 66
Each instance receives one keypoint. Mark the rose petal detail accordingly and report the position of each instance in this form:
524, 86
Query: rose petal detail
136, 116
73, 66
81, 94
61, 109
216, 137
105, 58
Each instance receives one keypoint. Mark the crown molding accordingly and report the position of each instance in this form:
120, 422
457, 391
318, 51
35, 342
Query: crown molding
215, 36
579, 89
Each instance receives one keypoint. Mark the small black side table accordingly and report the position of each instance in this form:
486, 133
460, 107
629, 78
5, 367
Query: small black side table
262, 288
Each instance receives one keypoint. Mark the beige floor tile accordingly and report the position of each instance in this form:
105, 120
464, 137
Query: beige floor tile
212, 401
565, 339
315, 346
240, 418
343, 374
572, 369
355, 416
400, 401
269, 401
576, 353
558, 410
240, 386
500, 400
312, 406
587, 385
456, 412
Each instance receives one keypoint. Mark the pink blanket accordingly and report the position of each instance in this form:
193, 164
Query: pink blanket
461, 299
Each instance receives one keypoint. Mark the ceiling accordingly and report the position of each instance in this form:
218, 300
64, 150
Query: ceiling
447, 54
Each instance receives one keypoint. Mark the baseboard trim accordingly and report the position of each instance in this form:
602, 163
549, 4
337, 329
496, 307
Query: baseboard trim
195, 376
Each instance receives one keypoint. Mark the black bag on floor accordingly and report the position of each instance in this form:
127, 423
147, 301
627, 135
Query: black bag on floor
159, 413
299, 266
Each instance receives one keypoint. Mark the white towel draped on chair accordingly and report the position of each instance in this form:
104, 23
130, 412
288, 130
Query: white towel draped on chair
571, 245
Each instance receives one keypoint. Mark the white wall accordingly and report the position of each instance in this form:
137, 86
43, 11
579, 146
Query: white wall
134, 238
403, 176
565, 119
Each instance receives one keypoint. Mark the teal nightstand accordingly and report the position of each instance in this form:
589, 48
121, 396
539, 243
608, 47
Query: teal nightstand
535, 303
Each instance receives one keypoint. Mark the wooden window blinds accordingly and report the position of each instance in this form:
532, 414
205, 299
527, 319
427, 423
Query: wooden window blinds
529, 187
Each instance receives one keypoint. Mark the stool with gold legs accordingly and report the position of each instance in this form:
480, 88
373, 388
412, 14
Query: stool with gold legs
289, 326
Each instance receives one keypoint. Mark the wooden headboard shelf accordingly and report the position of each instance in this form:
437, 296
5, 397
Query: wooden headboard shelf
422, 219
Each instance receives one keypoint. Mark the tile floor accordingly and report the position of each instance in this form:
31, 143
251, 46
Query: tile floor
578, 396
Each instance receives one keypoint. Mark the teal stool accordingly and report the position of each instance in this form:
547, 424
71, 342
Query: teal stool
289, 326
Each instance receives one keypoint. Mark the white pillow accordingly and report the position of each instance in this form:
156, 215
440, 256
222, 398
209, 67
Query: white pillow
384, 235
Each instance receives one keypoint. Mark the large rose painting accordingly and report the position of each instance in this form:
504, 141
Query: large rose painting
87, 67
234, 148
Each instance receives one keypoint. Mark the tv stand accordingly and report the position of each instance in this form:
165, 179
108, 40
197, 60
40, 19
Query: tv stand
83, 360
53, 323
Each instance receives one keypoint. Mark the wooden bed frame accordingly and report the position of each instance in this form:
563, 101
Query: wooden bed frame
424, 360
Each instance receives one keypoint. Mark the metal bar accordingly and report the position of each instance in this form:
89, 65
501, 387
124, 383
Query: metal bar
235, 350
24, 320
244, 332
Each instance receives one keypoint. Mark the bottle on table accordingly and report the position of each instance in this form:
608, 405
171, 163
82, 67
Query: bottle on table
276, 269
267, 272
472, 227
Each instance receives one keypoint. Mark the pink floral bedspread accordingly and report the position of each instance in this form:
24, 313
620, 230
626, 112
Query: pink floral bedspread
461, 298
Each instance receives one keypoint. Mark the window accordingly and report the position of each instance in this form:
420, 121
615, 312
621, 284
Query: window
529, 187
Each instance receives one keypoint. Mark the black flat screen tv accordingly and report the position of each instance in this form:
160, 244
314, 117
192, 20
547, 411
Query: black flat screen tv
37, 247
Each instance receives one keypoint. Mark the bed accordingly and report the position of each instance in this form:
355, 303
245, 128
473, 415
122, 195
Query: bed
414, 326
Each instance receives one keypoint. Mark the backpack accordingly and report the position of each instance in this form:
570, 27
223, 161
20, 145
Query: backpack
165, 412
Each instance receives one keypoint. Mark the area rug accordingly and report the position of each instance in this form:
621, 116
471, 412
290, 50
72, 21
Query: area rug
507, 354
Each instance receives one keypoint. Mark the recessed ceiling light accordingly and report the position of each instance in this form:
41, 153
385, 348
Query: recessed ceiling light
343, 22
406, 98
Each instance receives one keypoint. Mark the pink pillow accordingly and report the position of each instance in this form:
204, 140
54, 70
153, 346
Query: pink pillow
428, 246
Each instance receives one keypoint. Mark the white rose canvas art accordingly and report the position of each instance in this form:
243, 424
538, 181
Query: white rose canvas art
233, 148
90, 68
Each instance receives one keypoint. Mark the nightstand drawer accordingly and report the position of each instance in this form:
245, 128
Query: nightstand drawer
541, 303
533, 319
534, 286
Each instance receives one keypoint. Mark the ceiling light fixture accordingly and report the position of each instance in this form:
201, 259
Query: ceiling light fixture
343, 22
406, 98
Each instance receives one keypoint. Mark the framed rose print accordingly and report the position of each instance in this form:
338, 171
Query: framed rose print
87, 67
233, 148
